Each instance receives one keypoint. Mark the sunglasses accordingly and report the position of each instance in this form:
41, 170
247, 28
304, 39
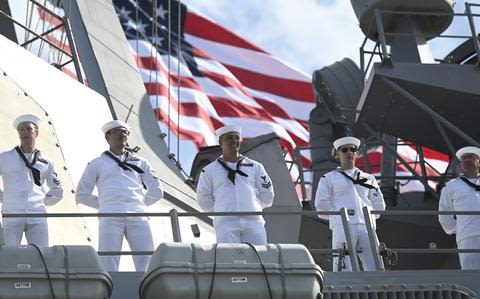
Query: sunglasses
120, 131
353, 149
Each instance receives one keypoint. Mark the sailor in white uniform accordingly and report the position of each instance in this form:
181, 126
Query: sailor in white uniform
235, 183
121, 179
349, 187
25, 171
463, 194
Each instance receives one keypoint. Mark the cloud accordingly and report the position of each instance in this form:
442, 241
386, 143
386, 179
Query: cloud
308, 34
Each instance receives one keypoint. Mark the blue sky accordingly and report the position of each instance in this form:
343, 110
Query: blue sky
308, 34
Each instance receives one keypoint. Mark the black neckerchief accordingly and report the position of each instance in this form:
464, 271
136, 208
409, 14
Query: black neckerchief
124, 164
36, 158
232, 172
467, 181
358, 181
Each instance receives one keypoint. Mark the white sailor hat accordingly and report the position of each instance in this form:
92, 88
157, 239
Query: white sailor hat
114, 124
228, 129
26, 118
346, 140
468, 150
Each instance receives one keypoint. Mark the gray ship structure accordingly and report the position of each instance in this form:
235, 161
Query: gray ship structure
400, 96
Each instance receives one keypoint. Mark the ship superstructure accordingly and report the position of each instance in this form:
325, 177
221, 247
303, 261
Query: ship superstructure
406, 83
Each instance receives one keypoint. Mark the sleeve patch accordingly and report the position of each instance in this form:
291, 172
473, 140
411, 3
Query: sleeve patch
265, 184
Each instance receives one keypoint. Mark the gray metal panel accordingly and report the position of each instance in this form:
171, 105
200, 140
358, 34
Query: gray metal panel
126, 284
111, 71
438, 86
462, 282
365, 11
7, 28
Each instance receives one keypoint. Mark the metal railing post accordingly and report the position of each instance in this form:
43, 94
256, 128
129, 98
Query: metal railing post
362, 60
381, 33
177, 237
352, 251
471, 22
2, 240
372, 238
298, 160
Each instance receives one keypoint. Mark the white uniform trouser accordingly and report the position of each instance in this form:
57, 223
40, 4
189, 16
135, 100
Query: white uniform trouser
138, 234
470, 261
36, 231
360, 241
240, 230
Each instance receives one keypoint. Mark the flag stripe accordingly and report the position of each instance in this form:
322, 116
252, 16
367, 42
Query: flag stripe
255, 61
196, 25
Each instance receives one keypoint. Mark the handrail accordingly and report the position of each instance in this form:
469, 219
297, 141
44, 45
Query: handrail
165, 214
374, 243
173, 214
382, 34
344, 213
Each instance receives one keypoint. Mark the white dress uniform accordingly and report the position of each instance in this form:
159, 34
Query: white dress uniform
248, 188
458, 195
335, 191
121, 190
24, 192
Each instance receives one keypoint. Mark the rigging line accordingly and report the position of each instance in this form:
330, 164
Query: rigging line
153, 43
42, 43
136, 32
36, 30
63, 45
52, 54
168, 66
28, 21
145, 14
26, 33
179, 49
155, 36
64, 40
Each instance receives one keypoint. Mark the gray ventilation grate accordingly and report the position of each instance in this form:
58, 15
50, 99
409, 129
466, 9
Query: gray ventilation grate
436, 291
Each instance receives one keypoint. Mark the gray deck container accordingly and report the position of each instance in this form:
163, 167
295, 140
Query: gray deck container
74, 272
181, 270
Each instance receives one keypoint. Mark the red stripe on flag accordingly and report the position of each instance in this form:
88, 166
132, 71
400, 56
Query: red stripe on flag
196, 25
287, 88
186, 109
198, 139
229, 108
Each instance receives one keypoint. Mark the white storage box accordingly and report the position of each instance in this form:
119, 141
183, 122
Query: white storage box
75, 272
180, 270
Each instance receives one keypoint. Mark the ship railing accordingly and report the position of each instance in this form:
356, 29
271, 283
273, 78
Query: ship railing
376, 249
305, 175
174, 216
375, 246
380, 47
66, 47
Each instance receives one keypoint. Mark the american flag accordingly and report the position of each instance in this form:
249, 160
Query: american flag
201, 76
214, 77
